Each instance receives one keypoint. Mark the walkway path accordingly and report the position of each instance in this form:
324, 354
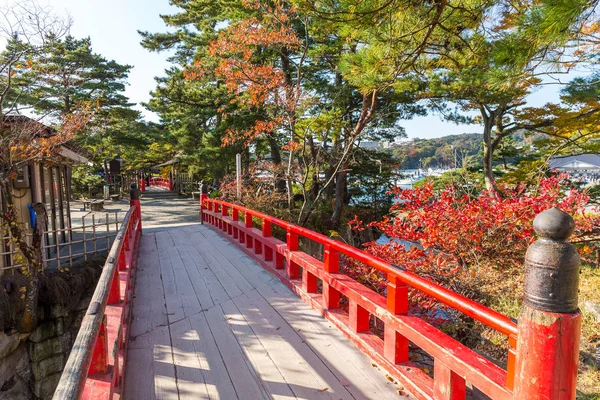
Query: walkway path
210, 323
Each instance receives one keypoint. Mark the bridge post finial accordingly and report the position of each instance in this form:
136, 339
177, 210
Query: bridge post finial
550, 321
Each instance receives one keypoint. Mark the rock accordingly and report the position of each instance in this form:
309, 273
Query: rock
44, 389
15, 376
43, 332
17, 390
83, 304
58, 326
48, 366
58, 311
8, 344
50, 347
77, 318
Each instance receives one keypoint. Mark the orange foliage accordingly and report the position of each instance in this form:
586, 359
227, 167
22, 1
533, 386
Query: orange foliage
256, 83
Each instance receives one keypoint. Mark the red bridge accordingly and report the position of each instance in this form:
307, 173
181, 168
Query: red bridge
225, 310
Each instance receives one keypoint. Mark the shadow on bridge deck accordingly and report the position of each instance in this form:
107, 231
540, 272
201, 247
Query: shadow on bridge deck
210, 323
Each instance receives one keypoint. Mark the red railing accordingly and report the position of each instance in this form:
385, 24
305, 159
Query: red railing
166, 183
96, 366
454, 363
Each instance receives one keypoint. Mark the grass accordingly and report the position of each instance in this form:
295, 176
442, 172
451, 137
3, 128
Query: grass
588, 382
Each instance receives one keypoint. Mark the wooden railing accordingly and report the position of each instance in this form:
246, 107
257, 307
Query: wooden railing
166, 183
95, 368
454, 363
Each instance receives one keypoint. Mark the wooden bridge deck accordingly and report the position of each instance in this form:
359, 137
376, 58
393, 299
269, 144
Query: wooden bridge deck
210, 323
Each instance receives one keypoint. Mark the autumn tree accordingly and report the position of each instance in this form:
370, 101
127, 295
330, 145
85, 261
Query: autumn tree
27, 29
489, 75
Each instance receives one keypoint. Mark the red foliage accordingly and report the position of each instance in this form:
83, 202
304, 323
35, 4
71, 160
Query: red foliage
470, 244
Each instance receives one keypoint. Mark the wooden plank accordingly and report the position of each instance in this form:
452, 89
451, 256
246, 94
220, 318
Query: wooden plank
199, 286
208, 261
342, 357
190, 363
213, 256
252, 272
150, 370
245, 380
149, 311
304, 372
266, 369
175, 310
216, 290
185, 290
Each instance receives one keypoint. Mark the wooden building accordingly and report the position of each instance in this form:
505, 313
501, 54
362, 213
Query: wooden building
47, 182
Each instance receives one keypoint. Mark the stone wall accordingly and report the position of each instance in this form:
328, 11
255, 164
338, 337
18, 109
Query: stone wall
31, 364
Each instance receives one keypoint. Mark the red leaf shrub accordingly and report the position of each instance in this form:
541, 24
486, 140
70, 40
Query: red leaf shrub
473, 245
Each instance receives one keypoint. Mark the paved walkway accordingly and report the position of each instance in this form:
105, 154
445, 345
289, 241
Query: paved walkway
160, 214
210, 323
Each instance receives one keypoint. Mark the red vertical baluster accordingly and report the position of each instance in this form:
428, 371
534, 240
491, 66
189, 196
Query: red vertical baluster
99, 364
267, 231
248, 223
447, 385
114, 294
236, 217
331, 265
293, 270
359, 317
395, 345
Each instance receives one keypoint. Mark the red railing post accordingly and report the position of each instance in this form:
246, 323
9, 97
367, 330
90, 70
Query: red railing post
293, 270
170, 183
267, 231
549, 325
122, 261
203, 198
99, 364
359, 317
134, 200
510, 362
248, 223
395, 345
235, 215
114, 294
447, 385
331, 265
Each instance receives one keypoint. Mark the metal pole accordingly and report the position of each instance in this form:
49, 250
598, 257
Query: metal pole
238, 174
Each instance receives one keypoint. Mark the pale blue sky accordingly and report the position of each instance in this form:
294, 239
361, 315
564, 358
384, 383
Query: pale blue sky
113, 25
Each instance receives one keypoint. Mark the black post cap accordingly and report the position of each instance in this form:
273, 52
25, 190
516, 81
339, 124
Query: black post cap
133, 193
552, 264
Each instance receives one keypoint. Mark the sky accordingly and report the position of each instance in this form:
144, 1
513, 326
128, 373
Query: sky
112, 26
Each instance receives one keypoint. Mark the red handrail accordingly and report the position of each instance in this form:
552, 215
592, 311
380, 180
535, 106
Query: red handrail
454, 364
95, 368
481, 313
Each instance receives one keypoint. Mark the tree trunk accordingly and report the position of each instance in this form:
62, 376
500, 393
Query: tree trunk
488, 157
29, 318
338, 205
280, 183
